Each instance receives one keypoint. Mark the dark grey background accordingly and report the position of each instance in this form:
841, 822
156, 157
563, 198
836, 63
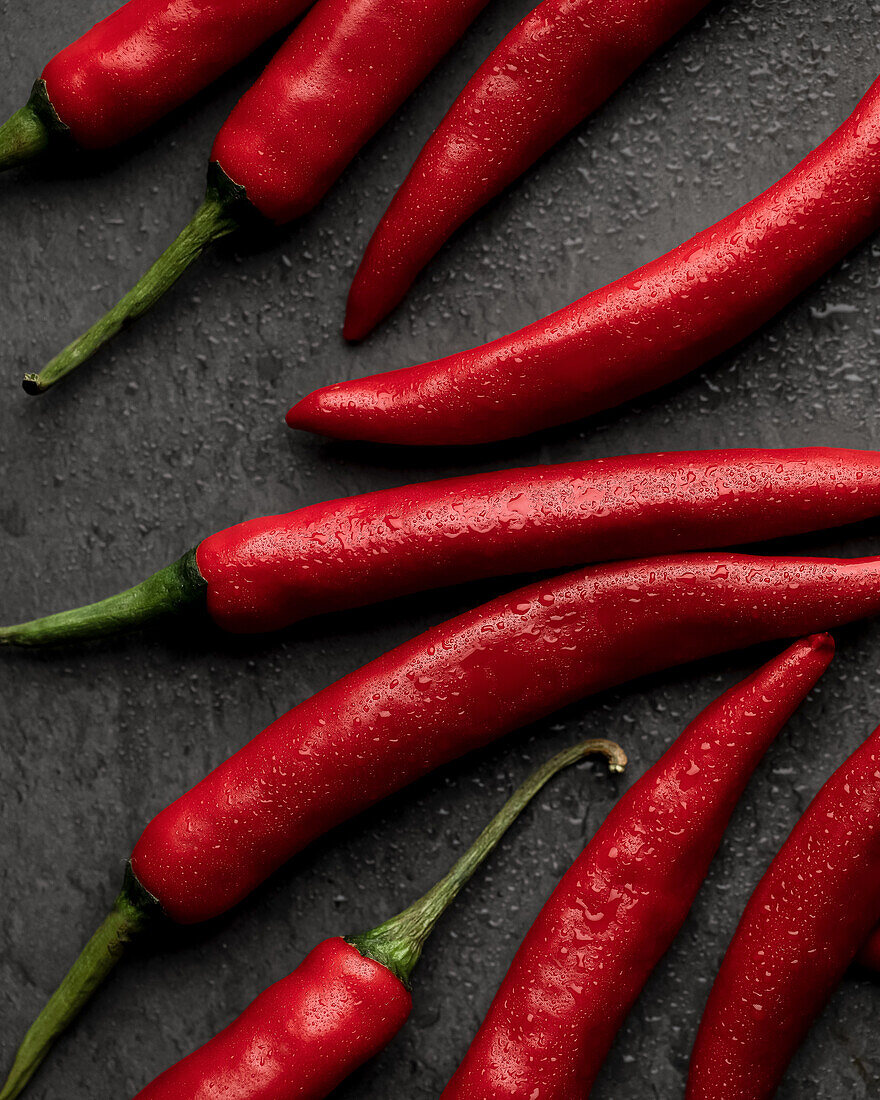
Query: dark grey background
178, 431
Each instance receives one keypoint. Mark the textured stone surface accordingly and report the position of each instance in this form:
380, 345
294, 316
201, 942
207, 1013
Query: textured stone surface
178, 431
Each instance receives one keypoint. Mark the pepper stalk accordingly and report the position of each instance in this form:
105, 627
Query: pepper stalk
173, 589
223, 211
31, 130
133, 912
398, 942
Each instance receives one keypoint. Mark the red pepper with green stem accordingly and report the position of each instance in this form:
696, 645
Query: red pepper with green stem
349, 997
638, 333
268, 573
133, 68
621, 903
551, 71
451, 690
803, 926
289, 138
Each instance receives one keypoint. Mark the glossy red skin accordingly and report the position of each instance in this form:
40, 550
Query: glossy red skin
621, 903
800, 931
149, 57
341, 74
638, 333
300, 1038
270, 572
551, 71
465, 683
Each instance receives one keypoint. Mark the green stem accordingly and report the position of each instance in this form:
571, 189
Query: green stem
397, 944
30, 130
217, 217
132, 913
171, 590
22, 138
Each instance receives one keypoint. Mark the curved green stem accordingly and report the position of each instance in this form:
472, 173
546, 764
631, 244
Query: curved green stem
215, 218
133, 911
397, 944
171, 590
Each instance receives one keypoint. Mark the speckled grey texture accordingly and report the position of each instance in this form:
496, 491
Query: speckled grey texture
178, 431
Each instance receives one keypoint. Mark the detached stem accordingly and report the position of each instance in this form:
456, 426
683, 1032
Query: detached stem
215, 218
167, 592
133, 911
397, 944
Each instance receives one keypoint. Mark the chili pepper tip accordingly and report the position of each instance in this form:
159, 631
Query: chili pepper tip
820, 641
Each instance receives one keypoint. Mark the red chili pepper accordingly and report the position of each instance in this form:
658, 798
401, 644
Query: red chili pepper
621, 903
636, 334
301, 1037
801, 929
348, 998
452, 689
270, 572
293, 133
134, 67
551, 71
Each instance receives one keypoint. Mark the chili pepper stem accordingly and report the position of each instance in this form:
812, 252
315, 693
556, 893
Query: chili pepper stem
132, 913
215, 218
177, 586
397, 943
22, 137
31, 129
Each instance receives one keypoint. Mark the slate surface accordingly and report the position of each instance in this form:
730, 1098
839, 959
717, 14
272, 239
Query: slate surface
178, 431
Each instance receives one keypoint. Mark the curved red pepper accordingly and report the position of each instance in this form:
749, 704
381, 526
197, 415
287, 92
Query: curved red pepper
149, 57
301, 1037
802, 927
463, 684
270, 572
551, 71
638, 333
621, 903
